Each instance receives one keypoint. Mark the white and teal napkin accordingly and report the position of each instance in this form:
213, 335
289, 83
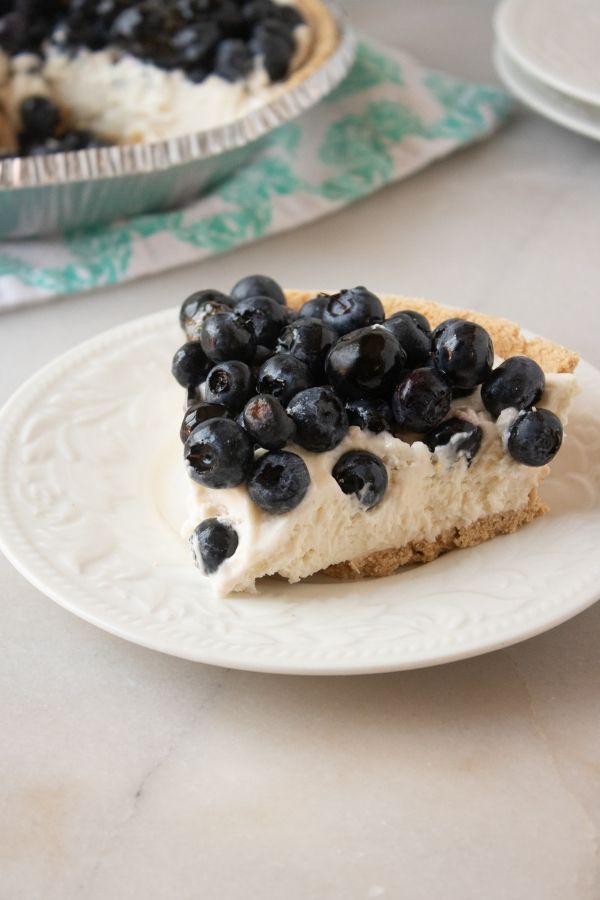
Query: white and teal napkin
389, 118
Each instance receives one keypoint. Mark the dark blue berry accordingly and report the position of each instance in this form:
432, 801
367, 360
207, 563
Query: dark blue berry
370, 415
290, 15
256, 10
229, 383
314, 308
365, 363
190, 365
275, 52
421, 400
264, 316
283, 376
39, 117
195, 44
219, 454
535, 437
233, 60
275, 27
279, 482
463, 437
212, 542
224, 337
309, 340
13, 32
258, 286
463, 352
199, 411
195, 309
267, 422
363, 475
518, 383
352, 308
418, 318
413, 340
320, 418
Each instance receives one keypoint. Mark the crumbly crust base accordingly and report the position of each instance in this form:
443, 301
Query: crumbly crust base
508, 341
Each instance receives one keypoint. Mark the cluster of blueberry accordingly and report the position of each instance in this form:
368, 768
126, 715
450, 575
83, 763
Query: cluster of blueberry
270, 376
198, 36
42, 131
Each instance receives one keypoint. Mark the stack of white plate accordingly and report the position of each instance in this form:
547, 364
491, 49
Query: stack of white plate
548, 54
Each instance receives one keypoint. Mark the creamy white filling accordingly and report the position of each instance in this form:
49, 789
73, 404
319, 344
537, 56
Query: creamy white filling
427, 493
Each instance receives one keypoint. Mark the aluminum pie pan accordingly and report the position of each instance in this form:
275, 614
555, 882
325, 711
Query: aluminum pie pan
67, 191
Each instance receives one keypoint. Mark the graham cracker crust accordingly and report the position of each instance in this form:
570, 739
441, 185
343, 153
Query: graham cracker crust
508, 341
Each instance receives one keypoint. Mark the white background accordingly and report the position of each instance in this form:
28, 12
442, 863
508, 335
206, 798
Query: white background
127, 774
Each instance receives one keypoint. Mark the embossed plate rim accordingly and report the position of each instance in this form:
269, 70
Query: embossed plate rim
328, 658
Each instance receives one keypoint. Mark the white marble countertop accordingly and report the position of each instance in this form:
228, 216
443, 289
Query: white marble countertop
128, 775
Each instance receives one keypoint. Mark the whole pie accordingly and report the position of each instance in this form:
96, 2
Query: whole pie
80, 73
354, 434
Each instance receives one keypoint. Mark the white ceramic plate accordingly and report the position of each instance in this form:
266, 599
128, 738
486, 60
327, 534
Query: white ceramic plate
572, 114
92, 491
556, 41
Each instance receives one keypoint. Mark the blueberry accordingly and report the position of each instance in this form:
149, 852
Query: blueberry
351, 309
229, 383
365, 363
224, 337
264, 316
219, 454
320, 418
256, 10
128, 24
290, 15
79, 139
195, 44
39, 117
362, 474
370, 415
13, 32
212, 542
190, 365
411, 337
275, 27
283, 376
535, 437
518, 382
421, 400
314, 308
267, 422
233, 60
275, 52
309, 340
198, 412
418, 318
463, 352
279, 482
258, 286
198, 306
462, 436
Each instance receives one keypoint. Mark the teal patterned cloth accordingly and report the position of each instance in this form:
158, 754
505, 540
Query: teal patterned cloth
389, 118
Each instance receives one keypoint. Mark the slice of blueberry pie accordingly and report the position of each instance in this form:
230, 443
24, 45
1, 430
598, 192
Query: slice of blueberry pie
355, 434
78, 73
